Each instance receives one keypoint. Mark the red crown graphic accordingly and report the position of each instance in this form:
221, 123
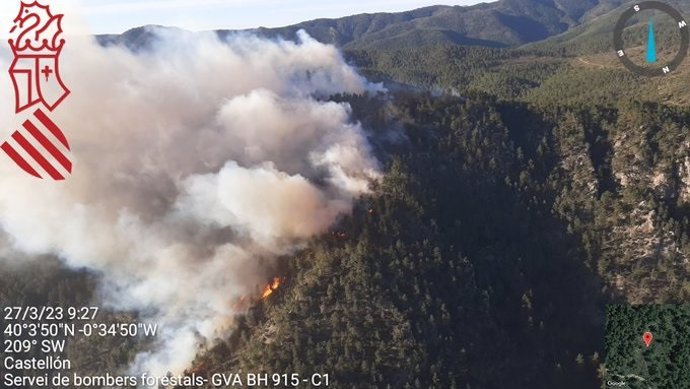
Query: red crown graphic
40, 148
36, 32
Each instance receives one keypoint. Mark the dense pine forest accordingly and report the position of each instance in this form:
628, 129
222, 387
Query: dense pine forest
488, 253
527, 190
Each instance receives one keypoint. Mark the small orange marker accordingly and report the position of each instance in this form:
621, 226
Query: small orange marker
648, 338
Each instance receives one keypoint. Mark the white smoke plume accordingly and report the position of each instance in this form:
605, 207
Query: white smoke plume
196, 163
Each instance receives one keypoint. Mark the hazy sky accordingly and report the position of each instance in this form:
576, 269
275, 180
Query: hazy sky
118, 15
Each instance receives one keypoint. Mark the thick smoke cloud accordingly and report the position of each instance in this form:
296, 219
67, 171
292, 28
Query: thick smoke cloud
197, 163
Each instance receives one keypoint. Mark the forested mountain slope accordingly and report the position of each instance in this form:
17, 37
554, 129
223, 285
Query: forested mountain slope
488, 252
504, 23
499, 24
533, 188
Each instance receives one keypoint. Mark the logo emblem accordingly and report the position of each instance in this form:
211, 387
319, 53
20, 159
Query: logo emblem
40, 148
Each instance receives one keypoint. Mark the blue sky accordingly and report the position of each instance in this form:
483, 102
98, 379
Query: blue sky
112, 16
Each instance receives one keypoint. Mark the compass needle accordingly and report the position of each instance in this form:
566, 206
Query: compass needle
651, 43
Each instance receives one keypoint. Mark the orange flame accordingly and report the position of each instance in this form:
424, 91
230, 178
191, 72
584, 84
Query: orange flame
270, 288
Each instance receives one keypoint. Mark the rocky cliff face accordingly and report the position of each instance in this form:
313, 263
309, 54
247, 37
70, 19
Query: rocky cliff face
634, 227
